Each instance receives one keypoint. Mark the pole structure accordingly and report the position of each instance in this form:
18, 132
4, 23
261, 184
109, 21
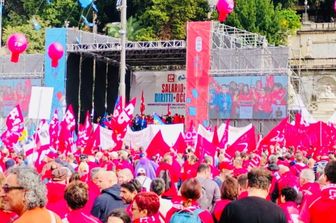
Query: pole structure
2, 3
123, 31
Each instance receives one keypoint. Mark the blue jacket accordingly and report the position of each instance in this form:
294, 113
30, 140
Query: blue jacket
107, 201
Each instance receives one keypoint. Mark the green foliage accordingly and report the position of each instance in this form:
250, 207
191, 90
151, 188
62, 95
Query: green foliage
133, 29
166, 19
35, 38
262, 17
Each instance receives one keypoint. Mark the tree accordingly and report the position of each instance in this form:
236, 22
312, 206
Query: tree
166, 19
35, 37
133, 27
260, 16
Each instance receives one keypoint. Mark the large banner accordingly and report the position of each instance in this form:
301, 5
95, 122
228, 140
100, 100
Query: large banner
14, 92
198, 66
163, 92
248, 97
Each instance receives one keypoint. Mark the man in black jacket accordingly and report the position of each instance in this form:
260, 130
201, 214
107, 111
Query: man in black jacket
109, 199
254, 208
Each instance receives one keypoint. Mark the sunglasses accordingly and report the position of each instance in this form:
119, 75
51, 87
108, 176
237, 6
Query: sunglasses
6, 188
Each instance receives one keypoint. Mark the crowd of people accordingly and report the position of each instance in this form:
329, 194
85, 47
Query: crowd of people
127, 186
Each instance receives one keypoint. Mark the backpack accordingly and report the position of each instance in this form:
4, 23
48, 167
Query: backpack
186, 216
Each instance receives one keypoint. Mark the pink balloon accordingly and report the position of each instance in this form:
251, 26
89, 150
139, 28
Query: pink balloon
55, 52
224, 8
17, 43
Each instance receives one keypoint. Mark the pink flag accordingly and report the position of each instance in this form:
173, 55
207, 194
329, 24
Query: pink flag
157, 146
204, 147
68, 125
15, 127
245, 142
190, 136
121, 120
84, 131
276, 135
225, 137
54, 130
215, 140
93, 142
142, 104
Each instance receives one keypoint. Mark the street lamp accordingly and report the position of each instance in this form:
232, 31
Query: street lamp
123, 32
2, 3
305, 15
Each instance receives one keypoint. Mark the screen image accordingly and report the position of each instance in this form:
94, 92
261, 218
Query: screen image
248, 97
14, 92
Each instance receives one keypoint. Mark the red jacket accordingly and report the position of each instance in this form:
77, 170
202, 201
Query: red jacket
322, 210
75, 216
291, 211
219, 207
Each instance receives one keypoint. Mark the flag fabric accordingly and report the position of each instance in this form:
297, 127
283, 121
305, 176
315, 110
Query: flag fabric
42, 133
276, 135
168, 110
190, 136
142, 104
15, 127
157, 146
120, 120
215, 140
225, 137
68, 125
180, 145
54, 130
204, 147
93, 141
157, 120
84, 132
245, 143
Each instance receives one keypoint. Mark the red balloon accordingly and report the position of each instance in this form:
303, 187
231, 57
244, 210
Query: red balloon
17, 43
55, 52
224, 8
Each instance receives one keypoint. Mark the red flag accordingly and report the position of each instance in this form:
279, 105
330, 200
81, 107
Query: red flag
204, 147
276, 135
180, 144
54, 130
84, 131
120, 121
68, 125
157, 146
245, 142
15, 127
215, 140
225, 137
93, 141
190, 136
142, 104
168, 110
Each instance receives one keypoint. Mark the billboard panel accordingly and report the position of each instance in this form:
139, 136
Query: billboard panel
248, 97
14, 92
163, 91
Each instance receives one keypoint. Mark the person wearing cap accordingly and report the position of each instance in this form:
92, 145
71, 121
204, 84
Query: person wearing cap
24, 193
56, 188
143, 179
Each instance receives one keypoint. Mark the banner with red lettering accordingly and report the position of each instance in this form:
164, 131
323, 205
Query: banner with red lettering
159, 92
197, 73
